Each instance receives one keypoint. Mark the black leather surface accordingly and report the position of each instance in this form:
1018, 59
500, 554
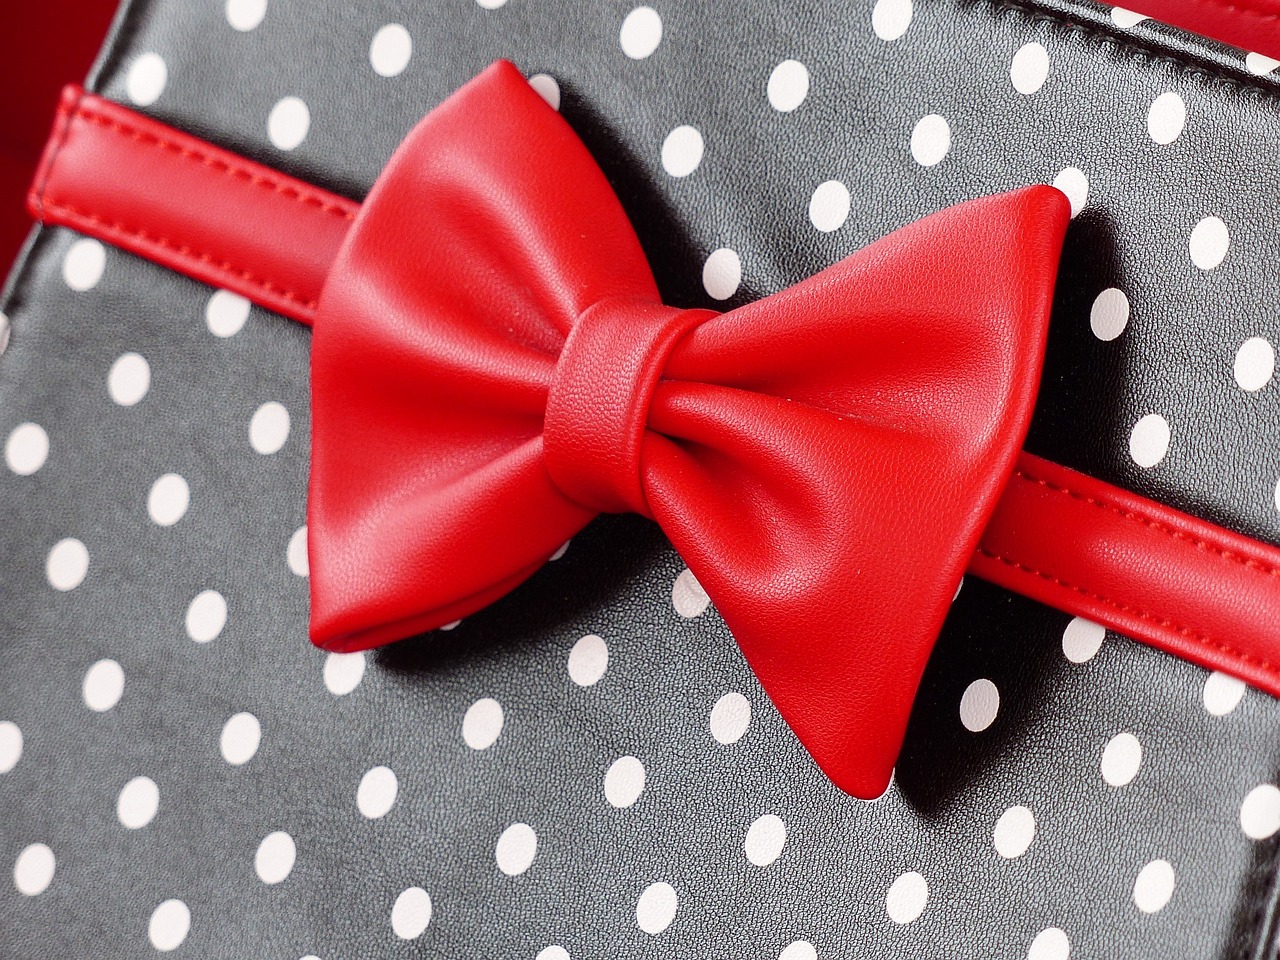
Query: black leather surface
665, 672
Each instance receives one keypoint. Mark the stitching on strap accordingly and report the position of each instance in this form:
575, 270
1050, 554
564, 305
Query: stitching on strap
1203, 639
76, 216
1229, 556
290, 190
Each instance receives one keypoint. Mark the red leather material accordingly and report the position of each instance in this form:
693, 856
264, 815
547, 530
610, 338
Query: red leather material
1186, 586
807, 454
598, 404
1251, 24
824, 459
189, 205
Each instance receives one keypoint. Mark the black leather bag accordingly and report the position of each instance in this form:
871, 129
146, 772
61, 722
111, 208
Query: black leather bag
588, 768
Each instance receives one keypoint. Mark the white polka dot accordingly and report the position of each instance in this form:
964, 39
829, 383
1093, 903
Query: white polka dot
588, 660
730, 718
67, 565
225, 313
516, 849
624, 782
288, 123
1126, 18
269, 428
799, 950
103, 685
129, 379
546, 87
33, 870
1260, 812
241, 735
1259, 65
656, 907
1166, 118
765, 839
687, 595
1082, 639
682, 151
1154, 886
979, 705
1110, 314
390, 50
1255, 364
244, 15
1209, 243
4, 332
1121, 759
829, 206
170, 923
1050, 944
490, 4
377, 792
482, 724
206, 616
1149, 440
721, 274
1014, 832
553, 952
296, 554
890, 18
137, 803
1075, 185
26, 449
146, 79
1029, 68
930, 140
343, 672
641, 33
10, 745
560, 551
1222, 693
168, 500
83, 265
411, 913
275, 857
907, 897
788, 85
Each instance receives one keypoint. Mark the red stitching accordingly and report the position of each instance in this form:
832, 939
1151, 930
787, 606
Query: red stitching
290, 190
141, 236
1229, 556
1203, 639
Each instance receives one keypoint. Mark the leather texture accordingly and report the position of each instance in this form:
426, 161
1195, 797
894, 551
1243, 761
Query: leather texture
1252, 24
1073, 541
666, 670
1144, 569
162, 194
830, 452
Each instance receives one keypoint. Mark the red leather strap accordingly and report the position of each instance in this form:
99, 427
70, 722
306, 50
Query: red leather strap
184, 203
1186, 586
1171, 580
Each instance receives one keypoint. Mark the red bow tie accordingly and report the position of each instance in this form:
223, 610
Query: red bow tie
493, 367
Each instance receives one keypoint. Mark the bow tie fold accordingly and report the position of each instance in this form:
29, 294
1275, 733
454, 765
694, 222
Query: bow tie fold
493, 367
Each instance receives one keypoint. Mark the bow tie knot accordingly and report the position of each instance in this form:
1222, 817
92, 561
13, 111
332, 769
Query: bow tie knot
598, 404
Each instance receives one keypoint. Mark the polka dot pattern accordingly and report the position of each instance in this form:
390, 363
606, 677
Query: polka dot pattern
26, 449
676, 696
682, 151
656, 908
